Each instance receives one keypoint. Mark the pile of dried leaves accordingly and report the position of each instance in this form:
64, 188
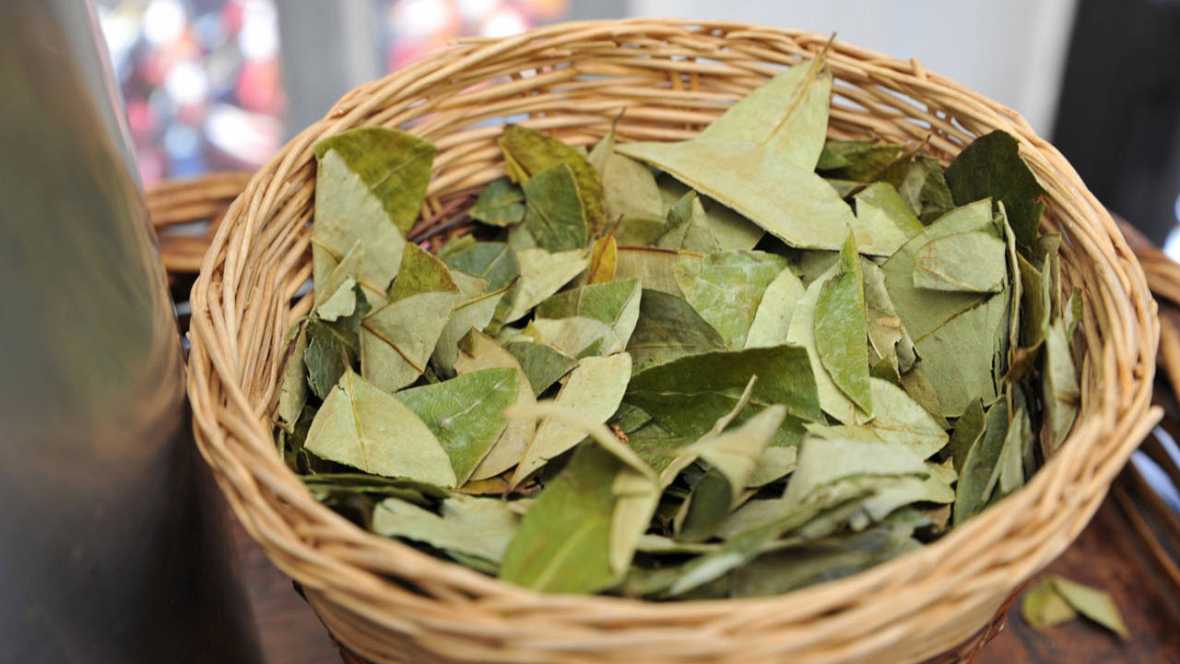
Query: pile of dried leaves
731, 366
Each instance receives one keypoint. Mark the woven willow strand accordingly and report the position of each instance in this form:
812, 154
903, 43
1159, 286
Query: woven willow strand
388, 602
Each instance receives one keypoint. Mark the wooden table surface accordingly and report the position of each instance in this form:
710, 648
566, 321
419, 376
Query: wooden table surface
1106, 555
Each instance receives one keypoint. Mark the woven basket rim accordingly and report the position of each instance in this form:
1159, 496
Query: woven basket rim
1117, 418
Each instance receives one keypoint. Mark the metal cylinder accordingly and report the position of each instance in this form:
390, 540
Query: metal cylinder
111, 540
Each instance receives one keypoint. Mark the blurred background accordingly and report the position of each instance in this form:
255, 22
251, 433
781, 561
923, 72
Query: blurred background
220, 84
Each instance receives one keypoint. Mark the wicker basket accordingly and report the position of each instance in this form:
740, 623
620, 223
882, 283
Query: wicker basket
388, 602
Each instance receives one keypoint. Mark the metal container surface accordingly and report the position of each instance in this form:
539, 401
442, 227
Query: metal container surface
111, 545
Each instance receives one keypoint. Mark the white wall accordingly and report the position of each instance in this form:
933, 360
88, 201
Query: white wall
1010, 50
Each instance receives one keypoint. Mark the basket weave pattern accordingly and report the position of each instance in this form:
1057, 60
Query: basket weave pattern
388, 602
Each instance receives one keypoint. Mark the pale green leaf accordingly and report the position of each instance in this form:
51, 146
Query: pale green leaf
480, 527
772, 319
543, 365
393, 167
653, 266
921, 310
293, 388
466, 414
841, 332
493, 262
555, 214
364, 427
757, 159
902, 421
686, 396
473, 311
481, 352
1060, 390
334, 295
594, 389
398, 339
713, 225
501, 203
1092, 603
726, 289
1043, 607
887, 335
959, 357
980, 463
527, 152
615, 304
884, 221
858, 161
541, 274
971, 262
802, 333
920, 181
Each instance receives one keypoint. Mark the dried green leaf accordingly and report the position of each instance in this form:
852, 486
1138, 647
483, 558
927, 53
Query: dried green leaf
332, 347
370, 184
972, 493
669, 328
902, 421
398, 339
563, 543
686, 396
594, 390
920, 181
493, 262
479, 352
466, 414
392, 166
653, 266
293, 388
772, 319
731, 458
971, 262
528, 152
1059, 385
968, 431
543, 365
806, 563
615, 304
802, 333
480, 527
541, 274
335, 295
364, 427
959, 357
604, 260
629, 187
473, 311
757, 159
501, 203
1092, 603
1036, 304
841, 329
859, 161
884, 221
1043, 607
726, 289
887, 336
922, 311
991, 167
555, 214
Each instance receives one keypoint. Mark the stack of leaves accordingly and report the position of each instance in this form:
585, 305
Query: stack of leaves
731, 366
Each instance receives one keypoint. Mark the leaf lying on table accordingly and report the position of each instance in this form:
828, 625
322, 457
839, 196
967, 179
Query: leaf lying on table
1055, 600
731, 366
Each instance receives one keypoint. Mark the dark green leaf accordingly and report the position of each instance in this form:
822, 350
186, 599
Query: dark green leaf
991, 167
501, 203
